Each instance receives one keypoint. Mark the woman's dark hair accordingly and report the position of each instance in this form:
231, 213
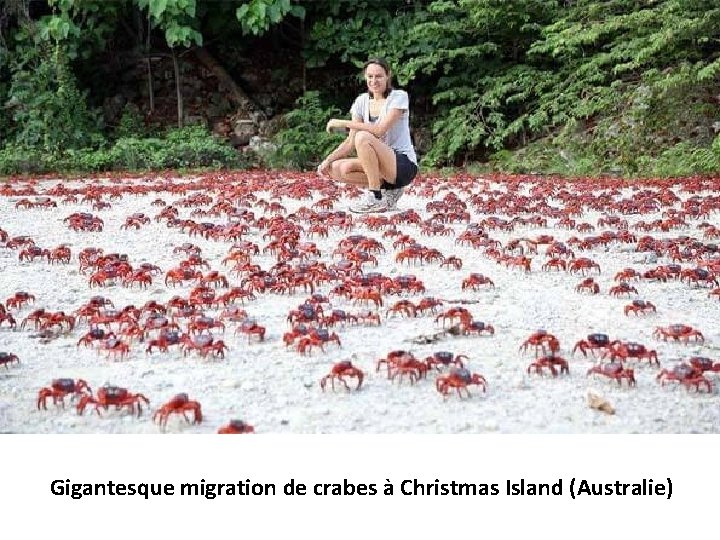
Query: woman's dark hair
383, 64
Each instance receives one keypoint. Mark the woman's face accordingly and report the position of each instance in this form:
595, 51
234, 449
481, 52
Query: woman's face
376, 78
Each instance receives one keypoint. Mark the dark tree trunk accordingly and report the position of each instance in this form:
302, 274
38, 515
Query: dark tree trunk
235, 94
151, 89
178, 86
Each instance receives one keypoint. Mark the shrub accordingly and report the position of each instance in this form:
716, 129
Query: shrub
192, 147
304, 142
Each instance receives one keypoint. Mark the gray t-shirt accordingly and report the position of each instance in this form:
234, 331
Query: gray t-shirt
398, 136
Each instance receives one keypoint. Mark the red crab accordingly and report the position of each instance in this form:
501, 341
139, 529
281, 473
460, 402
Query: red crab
337, 316
555, 263
113, 395
588, 285
402, 307
7, 318
623, 288
316, 338
297, 331
540, 340
366, 318
158, 322
474, 281
33, 252
305, 314
236, 427
141, 277
452, 262
214, 278
233, 314
204, 344
451, 314
19, 299
8, 358
678, 332
626, 274
469, 326
405, 364
251, 328
341, 370
460, 379
427, 304
59, 388
519, 262
136, 221
614, 370
445, 358
95, 334
60, 254
550, 362
594, 342
365, 296
115, 347
200, 324
181, 275
583, 264
164, 340
180, 404
624, 350
704, 364
393, 358
686, 375
639, 307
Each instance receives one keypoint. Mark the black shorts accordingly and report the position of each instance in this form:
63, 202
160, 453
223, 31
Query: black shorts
406, 171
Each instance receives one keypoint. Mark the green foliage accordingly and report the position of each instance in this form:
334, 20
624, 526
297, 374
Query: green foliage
131, 123
685, 159
190, 147
48, 109
256, 16
81, 26
193, 146
367, 29
303, 143
177, 18
15, 159
537, 85
550, 156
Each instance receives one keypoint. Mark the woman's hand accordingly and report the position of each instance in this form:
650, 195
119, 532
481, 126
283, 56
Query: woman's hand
324, 168
336, 125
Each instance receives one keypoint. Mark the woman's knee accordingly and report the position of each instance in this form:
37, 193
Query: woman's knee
336, 170
339, 170
363, 138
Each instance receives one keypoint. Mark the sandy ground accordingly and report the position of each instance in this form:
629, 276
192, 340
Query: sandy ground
276, 389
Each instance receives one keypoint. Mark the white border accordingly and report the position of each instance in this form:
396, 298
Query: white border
31, 462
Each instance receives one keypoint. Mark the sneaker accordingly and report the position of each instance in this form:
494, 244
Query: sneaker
392, 196
370, 205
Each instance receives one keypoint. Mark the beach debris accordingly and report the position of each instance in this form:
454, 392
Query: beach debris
599, 403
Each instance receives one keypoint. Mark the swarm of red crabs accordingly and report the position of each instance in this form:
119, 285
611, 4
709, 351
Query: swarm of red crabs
241, 249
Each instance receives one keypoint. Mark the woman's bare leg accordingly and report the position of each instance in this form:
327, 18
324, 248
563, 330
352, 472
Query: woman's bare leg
376, 158
349, 171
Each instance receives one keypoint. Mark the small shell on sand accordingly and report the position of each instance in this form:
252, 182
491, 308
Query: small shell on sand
599, 403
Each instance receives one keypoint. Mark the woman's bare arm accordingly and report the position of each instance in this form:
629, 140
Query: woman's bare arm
356, 124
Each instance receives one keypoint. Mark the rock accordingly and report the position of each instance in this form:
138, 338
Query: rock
243, 131
599, 403
261, 145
